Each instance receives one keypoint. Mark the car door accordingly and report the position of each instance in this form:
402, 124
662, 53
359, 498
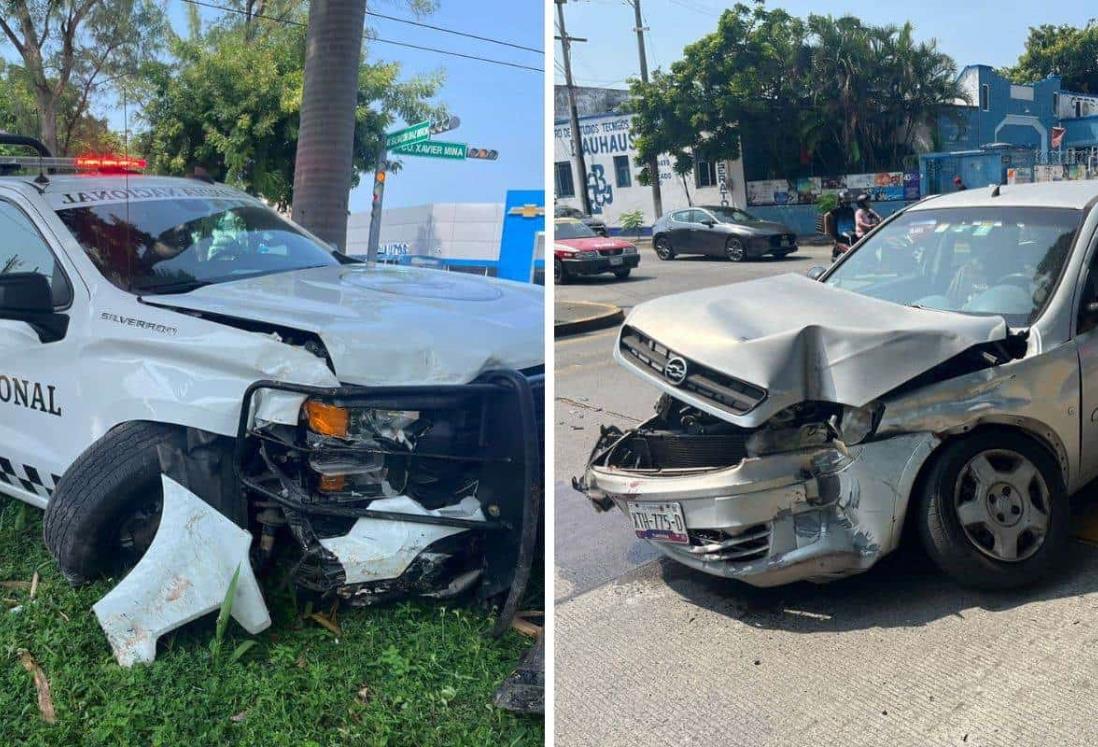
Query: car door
707, 239
680, 231
38, 377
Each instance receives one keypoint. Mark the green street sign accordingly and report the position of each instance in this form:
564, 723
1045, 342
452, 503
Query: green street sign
415, 134
434, 149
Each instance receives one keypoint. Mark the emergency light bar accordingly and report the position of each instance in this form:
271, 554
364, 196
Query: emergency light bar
109, 163
89, 163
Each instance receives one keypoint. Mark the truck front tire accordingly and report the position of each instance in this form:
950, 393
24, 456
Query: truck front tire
106, 509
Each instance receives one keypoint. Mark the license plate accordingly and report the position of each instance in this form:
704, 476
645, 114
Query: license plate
662, 522
616, 260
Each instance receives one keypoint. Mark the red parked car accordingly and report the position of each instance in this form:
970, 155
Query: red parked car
580, 251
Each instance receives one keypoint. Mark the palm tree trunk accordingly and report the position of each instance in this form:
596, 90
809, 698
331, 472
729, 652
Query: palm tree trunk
323, 169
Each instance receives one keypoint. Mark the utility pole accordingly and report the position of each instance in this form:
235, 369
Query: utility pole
653, 163
577, 143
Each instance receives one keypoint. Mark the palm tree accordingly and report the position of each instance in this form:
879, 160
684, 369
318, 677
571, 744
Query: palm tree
323, 167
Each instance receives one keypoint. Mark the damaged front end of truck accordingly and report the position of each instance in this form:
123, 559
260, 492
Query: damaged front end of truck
390, 492
785, 445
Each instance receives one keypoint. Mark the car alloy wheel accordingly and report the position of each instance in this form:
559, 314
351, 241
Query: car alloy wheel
664, 250
735, 251
1003, 505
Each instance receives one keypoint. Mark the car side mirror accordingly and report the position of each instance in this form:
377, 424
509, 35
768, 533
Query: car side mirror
816, 272
27, 297
709, 223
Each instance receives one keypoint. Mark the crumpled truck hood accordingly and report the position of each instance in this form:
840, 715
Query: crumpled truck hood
802, 340
386, 325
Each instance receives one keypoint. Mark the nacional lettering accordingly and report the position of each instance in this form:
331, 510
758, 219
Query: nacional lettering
71, 199
29, 394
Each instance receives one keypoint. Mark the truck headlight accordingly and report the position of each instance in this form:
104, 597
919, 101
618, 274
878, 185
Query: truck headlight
629, 250
364, 423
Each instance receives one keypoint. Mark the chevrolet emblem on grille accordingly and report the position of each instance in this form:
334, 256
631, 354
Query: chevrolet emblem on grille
675, 370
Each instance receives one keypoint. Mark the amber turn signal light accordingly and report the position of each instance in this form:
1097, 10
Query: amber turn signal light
327, 420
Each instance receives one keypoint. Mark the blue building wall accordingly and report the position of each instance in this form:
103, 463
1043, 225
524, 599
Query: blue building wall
1081, 132
801, 219
1019, 115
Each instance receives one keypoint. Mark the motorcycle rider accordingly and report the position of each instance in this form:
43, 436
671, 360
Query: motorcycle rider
839, 224
866, 217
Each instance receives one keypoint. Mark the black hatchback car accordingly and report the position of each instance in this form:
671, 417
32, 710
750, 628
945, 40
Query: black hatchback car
720, 231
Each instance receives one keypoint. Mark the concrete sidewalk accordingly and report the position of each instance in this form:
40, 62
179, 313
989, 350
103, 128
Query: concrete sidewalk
897, 656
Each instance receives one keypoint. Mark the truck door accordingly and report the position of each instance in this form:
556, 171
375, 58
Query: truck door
37, 371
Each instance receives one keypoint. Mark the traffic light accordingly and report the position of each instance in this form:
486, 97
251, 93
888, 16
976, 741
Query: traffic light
483, 154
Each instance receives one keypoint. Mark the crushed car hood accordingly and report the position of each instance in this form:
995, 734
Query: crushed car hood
387, 325
801, 340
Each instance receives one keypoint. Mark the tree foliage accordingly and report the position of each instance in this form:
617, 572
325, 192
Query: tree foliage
828, 94
71, 49
229, 98
1068, 51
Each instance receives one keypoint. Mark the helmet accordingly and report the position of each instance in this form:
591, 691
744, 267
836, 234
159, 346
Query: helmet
846, 196
862, 197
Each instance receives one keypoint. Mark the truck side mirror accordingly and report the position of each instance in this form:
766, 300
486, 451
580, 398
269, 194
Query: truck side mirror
27, 297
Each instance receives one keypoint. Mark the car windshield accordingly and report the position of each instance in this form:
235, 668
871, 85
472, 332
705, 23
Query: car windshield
731, 215
567, 229
175, 245
980, 260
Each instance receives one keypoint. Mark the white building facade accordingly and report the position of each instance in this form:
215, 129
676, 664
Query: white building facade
454, 233
612, 174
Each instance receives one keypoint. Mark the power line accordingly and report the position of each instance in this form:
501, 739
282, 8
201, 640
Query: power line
459, 54
451, 31
290, 22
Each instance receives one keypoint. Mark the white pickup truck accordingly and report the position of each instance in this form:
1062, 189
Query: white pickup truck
153, 325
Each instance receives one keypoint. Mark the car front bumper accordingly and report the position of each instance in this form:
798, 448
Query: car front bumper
813, 515
600, 265
763, 246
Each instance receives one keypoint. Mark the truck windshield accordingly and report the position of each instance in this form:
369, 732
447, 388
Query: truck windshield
1002, 261
176, 245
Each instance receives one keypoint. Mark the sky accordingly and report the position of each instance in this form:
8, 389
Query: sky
991, 33
501, 108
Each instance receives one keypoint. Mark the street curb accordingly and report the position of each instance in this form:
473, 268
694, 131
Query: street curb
606, 316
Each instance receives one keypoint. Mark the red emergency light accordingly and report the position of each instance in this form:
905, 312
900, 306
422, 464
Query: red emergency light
109, 163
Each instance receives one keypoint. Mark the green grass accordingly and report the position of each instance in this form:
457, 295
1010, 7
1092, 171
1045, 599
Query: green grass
429, 671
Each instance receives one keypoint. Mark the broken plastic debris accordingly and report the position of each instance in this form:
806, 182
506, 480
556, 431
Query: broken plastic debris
379, 549
184, 575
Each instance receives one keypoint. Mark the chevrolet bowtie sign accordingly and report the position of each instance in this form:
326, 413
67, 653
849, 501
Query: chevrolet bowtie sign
527, 211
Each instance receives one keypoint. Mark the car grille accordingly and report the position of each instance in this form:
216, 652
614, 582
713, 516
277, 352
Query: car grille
610, 252
751, 543
722, 391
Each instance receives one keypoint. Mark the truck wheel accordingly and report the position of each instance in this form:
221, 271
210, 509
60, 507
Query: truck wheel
106, 509
994, 512
664, 250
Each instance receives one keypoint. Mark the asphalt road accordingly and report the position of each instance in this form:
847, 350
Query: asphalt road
592, 390
650, 652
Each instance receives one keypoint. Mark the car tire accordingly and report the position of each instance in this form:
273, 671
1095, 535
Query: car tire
114, 487
735, 250
560, 275
664, 250
963, 517
623, 274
